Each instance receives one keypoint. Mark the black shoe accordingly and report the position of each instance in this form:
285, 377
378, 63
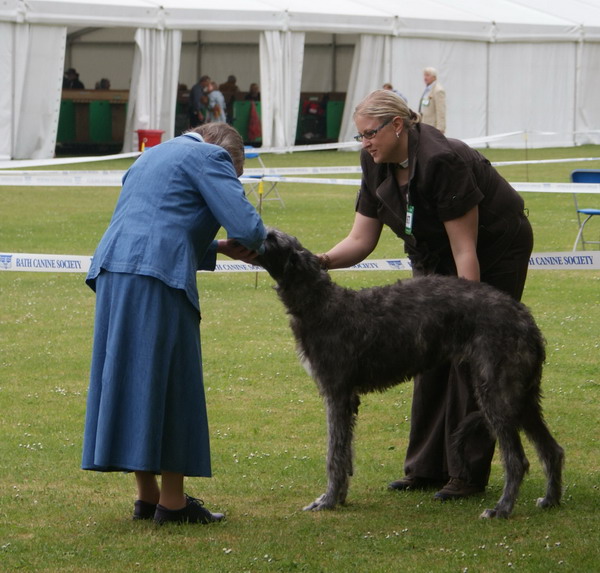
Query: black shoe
143, 510
414, 482
456, 489
193, 512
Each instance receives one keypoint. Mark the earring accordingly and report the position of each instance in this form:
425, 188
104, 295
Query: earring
397, 135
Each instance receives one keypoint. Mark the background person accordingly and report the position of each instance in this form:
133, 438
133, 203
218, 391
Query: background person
146, 410
198, 102
103, 84
253, 93
388, 86
71, 80
216, 105
456, 216
229, 87
432, 105
230, 91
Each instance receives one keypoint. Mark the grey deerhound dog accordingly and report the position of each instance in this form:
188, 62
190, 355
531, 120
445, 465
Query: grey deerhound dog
354, 342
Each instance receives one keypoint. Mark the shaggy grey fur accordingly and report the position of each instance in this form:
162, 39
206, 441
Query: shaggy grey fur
354, 342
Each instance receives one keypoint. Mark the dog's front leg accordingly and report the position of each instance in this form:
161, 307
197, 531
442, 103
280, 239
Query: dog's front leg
341, 418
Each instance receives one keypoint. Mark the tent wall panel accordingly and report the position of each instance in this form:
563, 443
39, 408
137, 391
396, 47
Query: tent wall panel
587, 115
94, 61
37, 62
461, 66
525, 96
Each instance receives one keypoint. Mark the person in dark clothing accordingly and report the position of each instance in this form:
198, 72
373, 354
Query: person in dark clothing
253, 93
198, 102
456, 216
71, 80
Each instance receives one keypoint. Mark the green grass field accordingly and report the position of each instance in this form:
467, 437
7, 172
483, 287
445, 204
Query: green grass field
267, 420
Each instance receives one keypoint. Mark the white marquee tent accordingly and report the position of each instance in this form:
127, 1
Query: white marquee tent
508, 65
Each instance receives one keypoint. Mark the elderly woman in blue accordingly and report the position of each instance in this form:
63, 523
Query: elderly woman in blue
146, 410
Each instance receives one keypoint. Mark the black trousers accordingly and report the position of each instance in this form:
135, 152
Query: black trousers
442, 398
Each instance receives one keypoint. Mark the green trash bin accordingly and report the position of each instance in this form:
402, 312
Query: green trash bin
66, 122
100, 122
334, 112
241, 114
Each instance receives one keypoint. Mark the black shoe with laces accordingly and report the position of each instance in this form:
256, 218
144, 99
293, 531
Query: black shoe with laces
457, 489
143, 510
193, 512
413, 483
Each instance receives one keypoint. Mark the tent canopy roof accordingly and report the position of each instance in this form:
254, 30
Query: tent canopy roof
492, 20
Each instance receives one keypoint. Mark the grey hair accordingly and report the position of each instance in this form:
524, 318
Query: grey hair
386, 104
431, 71
227, 137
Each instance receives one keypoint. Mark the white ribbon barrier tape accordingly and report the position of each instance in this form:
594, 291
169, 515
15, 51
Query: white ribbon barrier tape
580, 260
557, 187
345, 145
521, 187
18, 163
113, 179
250, 176
540, 161
352, 145
61, 178
44, 263
259, 171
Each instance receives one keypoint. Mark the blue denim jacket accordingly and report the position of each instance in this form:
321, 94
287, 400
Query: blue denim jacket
174, 200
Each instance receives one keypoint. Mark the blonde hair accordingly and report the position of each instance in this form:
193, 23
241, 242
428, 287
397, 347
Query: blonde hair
386, 104
227, 137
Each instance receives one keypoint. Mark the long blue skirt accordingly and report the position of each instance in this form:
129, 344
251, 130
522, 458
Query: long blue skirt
146, 409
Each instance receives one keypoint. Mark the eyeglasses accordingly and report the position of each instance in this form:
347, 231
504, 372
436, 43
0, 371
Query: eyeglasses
371, 133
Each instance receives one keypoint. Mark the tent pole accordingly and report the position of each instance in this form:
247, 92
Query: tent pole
199, 72
578, 66
487, 91
334, 63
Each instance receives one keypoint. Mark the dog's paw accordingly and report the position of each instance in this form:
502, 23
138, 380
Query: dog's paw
322, 502
493, 513
546, 502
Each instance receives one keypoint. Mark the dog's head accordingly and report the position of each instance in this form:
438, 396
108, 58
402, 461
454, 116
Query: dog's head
284, 258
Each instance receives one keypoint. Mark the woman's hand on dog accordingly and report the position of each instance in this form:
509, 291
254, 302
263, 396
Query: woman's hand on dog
234, 250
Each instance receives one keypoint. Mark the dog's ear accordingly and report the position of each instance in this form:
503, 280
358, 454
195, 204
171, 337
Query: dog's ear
271, 239
301, 263
292, 261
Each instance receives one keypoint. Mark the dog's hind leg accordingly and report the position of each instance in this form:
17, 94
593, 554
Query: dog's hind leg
550, 453
341, 419
515, 466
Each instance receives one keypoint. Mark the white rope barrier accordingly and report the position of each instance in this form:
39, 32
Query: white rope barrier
557, 187
113, 179
61, 178
541, 161
593, 188
110, 178
27, 262
342, 145
20, 163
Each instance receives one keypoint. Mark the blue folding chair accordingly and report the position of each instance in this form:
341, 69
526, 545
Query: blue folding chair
253, 153
584, 214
